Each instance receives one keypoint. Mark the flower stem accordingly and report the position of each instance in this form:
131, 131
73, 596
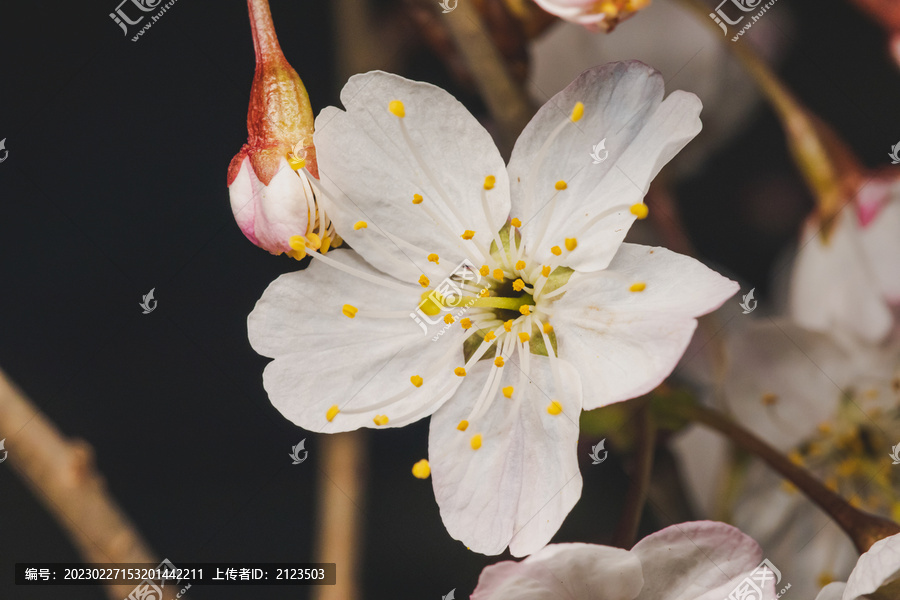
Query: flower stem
630, 519
863, 528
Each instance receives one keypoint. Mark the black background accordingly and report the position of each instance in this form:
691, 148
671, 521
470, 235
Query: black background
115, 184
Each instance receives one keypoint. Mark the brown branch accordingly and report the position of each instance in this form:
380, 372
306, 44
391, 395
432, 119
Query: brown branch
61, 473
636, 497
341, 490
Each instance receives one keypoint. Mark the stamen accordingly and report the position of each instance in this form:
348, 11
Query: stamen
508, 391
295, 162
561, 185
475, 442
548, 328
515, 223
498, 275
416, 380
484, 270
463, 425
556, 250
349, 310
499, 361
489, 336
507, 325
397, 109
518, 285
639, 210
360, 225
577, 112
388, 283
424, 281
380, 420
484, 293
465, 323
332, 413
525, 309
468, 234
417, 199
638, 287
555, 408
434, 258
524, 337
459, 372
448, 319
421, 470
489, 182
571, 244
545, 271
520, 265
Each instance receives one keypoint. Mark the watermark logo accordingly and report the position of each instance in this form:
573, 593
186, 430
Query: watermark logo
447, 299
595, 452
6, 152
450, 596
6, 453
295, 452
597, 149
749, 304
448, 5
722, 19
121, 17
145, 304
149, 590
895, 154
895, 453
751, 588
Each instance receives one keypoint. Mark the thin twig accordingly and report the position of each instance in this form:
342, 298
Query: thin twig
863, 528
636, 497
61, 473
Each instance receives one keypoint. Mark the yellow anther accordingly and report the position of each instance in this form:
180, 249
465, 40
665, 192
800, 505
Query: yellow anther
769, 399
332, 413
507, 325
554, 408
518, 285
417, 198
498, 274
360, 225
326, 245
825, 578
348, 310
489, 182
490, 336
548, 328
397, 109
561, 185
520, 265
297, 254
484, 270
448, 319
298, 242
556, 250
313, 241
525, 309
508, 391
434, 258
416, 380
421, 470
515, 223
639, 210
424, 281
468, 234
609, 9
295, 162
577, 112
571, 244
499, 362
524, 337
484, 292
475, 442
463, 425
380, 419
460, 371
545, 270
638, 287
465, 323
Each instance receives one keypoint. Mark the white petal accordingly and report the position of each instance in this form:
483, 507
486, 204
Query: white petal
519, 486
623, 105
832, 591
570, 571
803, 372
878, 567
270, 215
322, 358
881, 243
626, 343
702, 560
371, 173
833, 287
